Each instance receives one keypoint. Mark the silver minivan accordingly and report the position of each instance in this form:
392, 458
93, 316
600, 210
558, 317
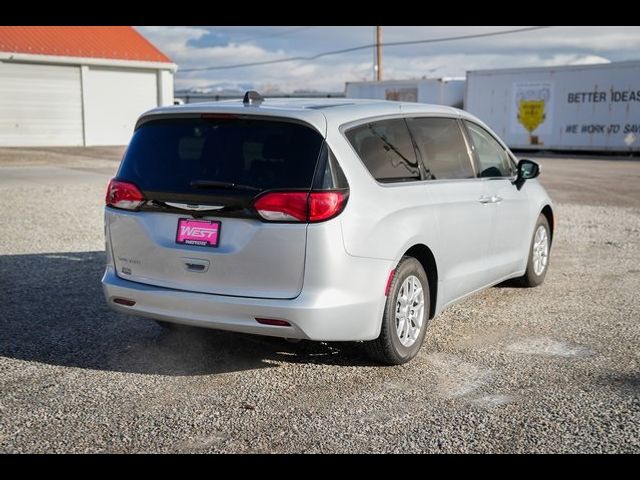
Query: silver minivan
319, 219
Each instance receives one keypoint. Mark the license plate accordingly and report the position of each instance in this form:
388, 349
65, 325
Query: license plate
204, 233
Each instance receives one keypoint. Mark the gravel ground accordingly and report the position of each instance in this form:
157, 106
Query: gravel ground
552, 369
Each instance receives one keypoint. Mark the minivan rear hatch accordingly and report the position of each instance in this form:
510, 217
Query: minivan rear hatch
196, 229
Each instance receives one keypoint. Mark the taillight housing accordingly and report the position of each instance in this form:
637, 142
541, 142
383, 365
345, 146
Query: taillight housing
123, 195
301, 206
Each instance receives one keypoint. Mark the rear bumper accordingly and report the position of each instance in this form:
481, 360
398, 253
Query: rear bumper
331, 314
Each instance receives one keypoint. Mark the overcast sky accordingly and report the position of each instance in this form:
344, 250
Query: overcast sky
194, 47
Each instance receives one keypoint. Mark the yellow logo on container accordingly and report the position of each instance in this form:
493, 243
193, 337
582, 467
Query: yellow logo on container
531, 114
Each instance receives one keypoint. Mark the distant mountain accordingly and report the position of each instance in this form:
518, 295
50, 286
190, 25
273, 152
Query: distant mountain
223, 88
238, 89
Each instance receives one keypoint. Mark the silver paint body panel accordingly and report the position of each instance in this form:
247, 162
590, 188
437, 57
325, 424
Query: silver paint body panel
326, 279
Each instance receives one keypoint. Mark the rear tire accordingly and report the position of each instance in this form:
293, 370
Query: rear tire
406, 315
539, 250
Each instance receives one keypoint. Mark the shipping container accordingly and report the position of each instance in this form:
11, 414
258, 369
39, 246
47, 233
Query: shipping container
581, 107
441, 91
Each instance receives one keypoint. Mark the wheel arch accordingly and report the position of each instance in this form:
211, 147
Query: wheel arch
547, 211
425, 256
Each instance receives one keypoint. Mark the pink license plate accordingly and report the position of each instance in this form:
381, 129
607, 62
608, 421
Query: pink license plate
205, 233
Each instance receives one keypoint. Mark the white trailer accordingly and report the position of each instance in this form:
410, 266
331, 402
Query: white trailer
440, 91
581, 107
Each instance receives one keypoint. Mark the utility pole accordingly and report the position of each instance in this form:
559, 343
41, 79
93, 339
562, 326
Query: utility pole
378, 63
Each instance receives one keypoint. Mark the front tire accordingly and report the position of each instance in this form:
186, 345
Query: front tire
406, 316
538, 261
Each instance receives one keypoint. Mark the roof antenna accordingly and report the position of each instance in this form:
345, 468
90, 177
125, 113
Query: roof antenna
252, 98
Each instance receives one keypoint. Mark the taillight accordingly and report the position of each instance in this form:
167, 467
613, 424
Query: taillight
283, 206
218, 116
325, 205
300, 206
123, 195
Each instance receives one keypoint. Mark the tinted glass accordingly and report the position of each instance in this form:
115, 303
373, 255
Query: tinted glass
442, 148
167, 155
493, 159
386, 149
329, 175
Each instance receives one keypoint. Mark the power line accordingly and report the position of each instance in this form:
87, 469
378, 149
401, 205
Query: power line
362, 47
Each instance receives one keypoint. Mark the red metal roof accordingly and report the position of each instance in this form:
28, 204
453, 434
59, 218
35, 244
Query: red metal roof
119, 42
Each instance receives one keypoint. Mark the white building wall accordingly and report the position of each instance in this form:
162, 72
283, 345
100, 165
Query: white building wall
114, 99
40, 105
45, 102
165, 88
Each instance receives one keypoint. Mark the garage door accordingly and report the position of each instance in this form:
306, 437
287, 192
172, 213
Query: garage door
40, 105
114, 100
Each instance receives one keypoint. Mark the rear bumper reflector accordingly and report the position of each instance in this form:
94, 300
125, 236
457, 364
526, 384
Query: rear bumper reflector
124, 301
274, 322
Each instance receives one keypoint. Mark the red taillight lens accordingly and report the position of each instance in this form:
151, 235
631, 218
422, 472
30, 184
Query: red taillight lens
123, 195
273, 321
124, 301
325, 205
283, 206
300, 206
387, 289
218, 116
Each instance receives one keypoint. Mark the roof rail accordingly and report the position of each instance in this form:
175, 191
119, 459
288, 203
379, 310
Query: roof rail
252, 98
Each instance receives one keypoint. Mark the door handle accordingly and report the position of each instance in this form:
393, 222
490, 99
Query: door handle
491, 199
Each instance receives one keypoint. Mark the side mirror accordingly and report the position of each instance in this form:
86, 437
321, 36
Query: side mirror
527, 169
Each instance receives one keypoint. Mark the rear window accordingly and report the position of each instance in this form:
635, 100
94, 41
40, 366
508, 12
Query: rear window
167, 155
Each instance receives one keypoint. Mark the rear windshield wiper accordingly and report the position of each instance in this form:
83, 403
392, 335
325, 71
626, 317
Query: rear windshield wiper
229, 185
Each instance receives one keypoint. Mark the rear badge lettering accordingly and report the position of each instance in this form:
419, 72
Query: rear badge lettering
131, 261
